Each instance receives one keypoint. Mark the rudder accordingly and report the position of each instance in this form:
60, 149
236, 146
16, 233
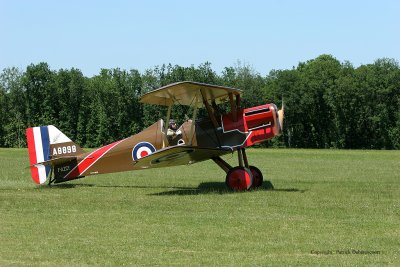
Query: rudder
45, 143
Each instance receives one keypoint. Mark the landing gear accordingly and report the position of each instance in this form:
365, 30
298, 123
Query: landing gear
242, 177
257, 177
239, 178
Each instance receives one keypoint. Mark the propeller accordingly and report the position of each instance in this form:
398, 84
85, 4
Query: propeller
281, 115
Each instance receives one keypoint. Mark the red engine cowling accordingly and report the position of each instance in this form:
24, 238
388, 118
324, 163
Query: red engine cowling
261, 123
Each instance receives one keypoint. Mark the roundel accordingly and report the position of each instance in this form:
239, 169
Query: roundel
142, 149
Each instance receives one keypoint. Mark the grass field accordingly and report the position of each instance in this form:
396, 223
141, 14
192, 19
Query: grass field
328, 207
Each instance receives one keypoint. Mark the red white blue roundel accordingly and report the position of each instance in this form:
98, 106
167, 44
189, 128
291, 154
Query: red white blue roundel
142, 149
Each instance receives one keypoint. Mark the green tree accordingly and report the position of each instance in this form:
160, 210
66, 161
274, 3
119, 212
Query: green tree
3, 114
346, 104
327, 103
284, 84
14, 108
318, 78
42, 99
244, 77
378, 86
151, 113
70, 89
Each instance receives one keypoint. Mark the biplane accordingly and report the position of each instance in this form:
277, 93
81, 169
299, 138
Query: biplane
56, 158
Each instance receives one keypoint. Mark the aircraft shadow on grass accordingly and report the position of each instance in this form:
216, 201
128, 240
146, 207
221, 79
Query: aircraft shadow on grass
203, 188
221, 188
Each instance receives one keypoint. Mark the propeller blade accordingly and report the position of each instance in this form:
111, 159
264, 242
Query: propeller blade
281, 115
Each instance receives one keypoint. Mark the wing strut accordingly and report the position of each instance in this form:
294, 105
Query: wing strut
222, 164
192, 126
238, 101
210, 111
233, 107
166, 124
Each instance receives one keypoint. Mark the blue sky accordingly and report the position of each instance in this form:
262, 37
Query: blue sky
90, 35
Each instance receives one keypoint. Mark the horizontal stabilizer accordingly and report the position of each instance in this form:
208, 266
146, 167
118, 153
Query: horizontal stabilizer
55, 161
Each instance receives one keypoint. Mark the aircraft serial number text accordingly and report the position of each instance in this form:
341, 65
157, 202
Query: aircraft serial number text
63, 169
64, 150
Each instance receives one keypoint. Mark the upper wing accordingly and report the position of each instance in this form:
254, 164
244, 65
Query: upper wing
179, 155
188, 94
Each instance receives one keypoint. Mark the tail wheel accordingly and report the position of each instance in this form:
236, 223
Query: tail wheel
257, 177
239, 178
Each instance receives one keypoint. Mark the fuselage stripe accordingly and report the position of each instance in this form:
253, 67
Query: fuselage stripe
108, 147
89, 160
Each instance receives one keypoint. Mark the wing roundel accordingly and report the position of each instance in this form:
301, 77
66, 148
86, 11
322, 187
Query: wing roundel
141, 150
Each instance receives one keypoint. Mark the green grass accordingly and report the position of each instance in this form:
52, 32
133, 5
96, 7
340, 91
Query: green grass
326, 201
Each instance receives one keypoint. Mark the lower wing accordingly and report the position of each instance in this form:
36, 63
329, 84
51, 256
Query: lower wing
179, 155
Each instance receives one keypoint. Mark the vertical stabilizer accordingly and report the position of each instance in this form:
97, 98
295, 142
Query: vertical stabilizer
45, 143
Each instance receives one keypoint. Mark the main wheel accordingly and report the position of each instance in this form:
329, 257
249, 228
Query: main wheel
239, 179
257, 177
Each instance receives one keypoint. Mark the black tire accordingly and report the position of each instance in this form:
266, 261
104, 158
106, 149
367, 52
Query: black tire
257, 177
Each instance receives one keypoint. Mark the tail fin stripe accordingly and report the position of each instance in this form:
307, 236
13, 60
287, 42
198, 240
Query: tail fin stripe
42, 170
42, 173
46, 145
38, 144
32, 155
31, 149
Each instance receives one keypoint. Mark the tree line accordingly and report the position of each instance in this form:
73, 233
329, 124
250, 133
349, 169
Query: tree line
328, 103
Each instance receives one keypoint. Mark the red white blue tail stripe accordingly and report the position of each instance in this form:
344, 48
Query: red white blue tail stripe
39, 151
